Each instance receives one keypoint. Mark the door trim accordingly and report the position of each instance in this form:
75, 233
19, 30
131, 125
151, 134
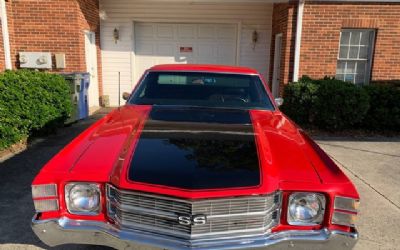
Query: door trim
92, 99
277, 64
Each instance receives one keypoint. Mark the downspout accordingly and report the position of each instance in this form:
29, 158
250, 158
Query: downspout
6, 36
299, 30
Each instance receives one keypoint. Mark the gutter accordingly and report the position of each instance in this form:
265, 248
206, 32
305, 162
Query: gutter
6, 36
299, 30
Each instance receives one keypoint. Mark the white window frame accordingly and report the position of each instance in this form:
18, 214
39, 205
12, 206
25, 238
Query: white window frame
368, 67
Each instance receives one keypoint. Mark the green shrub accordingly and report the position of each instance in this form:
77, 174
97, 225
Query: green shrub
29, 102
300, 100
340, 105
326, 103
384, 111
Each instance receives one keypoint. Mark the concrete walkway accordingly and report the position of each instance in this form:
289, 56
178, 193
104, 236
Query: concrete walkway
374, 166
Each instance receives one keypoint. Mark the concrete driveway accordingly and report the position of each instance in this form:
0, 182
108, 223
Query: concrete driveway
374, 166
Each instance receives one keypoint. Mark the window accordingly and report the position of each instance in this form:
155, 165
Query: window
202, 89
355, 56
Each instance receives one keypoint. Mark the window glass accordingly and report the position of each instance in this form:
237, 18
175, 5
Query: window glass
341, 67
355, 55
361, 67
202, 89
354, 52
344, 51
351, 68
365, 37
345, 38
364, 52
355, 38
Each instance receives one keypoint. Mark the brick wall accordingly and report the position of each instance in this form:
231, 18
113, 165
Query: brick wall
2, 62
55, 26
284, 22
321, 33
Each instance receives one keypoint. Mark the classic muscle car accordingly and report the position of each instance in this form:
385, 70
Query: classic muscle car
200, 157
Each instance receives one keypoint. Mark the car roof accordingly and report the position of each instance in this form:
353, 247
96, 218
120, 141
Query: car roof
204, 68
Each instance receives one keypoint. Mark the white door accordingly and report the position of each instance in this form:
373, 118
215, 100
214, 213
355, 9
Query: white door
91, 66
164, 43
277, 65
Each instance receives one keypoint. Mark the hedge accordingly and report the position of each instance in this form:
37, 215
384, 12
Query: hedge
331, 104
300, 99
31, 101
384, 111
340, 105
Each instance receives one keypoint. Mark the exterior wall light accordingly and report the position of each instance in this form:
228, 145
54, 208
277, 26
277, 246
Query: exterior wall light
254, 39
116, 35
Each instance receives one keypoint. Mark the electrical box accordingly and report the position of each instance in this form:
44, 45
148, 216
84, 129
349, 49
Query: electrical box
35, 60
60, 61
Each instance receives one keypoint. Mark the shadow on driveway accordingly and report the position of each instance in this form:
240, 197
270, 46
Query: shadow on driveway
16, 176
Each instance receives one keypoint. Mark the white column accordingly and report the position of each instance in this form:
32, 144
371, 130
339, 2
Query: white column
6, 37
299, 30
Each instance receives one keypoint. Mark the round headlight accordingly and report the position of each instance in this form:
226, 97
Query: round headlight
306, 209
83, 198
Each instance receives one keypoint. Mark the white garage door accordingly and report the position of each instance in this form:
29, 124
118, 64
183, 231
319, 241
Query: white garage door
164, 43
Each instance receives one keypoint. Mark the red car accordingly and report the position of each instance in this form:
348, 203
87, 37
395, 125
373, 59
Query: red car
200, 157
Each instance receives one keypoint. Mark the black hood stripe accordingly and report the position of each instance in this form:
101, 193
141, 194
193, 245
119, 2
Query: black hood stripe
196, 148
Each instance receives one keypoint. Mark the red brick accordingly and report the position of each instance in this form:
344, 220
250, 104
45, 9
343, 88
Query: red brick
322, 61
55, 26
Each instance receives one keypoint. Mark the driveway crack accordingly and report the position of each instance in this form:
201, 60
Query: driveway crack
357, 149
365, 182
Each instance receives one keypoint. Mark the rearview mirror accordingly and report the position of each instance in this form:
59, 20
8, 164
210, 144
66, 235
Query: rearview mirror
126, 96
279, 101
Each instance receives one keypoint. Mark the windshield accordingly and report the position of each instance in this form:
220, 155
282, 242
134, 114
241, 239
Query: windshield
202, 89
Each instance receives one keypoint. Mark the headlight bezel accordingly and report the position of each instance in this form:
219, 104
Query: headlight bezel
317, 220
78, 211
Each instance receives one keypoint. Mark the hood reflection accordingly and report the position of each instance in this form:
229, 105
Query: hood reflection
187, 152
218, 155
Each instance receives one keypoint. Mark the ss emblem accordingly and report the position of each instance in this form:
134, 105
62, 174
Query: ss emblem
194, 220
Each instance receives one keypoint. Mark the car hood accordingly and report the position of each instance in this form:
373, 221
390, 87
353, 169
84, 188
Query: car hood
194, 150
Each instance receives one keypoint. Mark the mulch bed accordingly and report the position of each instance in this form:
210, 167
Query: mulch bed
14, 149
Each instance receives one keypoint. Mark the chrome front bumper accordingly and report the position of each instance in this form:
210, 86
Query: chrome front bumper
65, 231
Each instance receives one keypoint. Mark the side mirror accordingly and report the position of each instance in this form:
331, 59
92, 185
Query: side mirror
279, 101
126, 96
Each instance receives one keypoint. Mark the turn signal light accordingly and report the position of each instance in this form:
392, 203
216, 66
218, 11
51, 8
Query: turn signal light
45, 198
345, 213
344, 219
45, 205
347, 204
44, 191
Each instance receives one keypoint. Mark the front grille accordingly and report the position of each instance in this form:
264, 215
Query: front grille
242, 216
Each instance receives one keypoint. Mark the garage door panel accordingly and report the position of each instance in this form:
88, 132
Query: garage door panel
206, 31
166, 49
206, 50
187, 31
161, 43
144, 64
225, 50
226, 32
165, 31
146, 31
187, 59
167, 60
207, 61
144, 48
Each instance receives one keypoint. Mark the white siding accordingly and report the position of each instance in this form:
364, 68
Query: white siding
122, 13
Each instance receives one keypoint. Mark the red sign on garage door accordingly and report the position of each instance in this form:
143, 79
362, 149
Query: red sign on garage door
186, 49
